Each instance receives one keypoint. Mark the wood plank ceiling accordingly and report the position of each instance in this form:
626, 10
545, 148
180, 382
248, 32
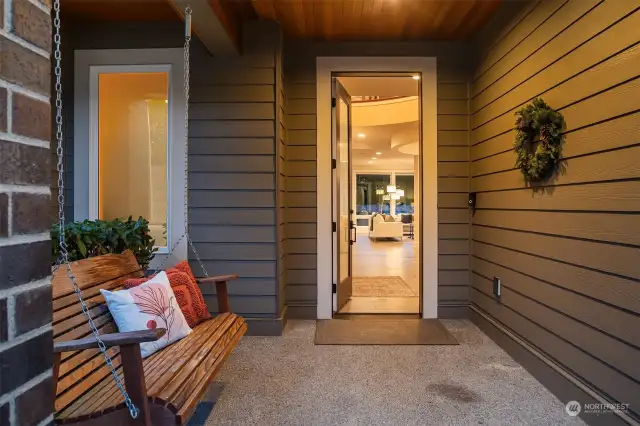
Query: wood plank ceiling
117, 10
376, 19
330, 20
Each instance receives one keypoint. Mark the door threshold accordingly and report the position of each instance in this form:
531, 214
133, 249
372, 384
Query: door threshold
381, 315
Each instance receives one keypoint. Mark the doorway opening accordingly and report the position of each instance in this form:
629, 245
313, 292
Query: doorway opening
376, 148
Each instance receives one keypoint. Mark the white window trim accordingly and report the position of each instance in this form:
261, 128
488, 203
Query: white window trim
428, 187
88, 63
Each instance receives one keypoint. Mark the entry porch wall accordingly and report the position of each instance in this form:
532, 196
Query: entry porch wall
453, 168
234, 122
567, 253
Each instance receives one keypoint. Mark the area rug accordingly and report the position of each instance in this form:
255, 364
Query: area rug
385, 331
381, 287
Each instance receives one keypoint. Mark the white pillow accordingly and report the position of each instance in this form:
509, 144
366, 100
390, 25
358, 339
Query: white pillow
148, 306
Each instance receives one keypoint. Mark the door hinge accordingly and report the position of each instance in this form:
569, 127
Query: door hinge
334, 288
334, 226
334, 164
333, 102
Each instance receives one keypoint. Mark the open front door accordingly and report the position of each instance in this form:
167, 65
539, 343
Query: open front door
343, 215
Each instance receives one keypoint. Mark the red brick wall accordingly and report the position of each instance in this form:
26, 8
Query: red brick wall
26, 390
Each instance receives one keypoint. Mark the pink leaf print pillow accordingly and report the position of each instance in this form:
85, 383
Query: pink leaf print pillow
148, 306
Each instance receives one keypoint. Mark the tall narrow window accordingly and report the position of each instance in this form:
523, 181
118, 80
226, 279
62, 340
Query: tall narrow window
133, 142
405, 204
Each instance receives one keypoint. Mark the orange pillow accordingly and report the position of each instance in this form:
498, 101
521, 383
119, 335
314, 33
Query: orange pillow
186, 290
199, 304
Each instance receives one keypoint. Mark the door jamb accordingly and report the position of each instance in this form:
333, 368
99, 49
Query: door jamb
426, 67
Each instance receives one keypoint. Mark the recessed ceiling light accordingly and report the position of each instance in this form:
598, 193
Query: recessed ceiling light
373, 158
370, 162
362, 135
416, 77
378, 153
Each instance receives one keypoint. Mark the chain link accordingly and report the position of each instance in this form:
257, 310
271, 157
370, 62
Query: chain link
186, 87
64, 254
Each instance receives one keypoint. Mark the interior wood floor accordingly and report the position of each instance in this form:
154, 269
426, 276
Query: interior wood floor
386, 258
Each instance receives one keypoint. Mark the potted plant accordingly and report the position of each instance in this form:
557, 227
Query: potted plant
91, 238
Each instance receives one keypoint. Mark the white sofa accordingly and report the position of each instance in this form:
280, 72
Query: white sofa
378, 228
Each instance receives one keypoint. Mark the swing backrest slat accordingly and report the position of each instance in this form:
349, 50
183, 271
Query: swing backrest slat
94, 272
82, 370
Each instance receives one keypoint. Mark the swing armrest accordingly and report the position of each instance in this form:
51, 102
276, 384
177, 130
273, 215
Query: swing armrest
221, 289
218, 279
111, 339
132, 366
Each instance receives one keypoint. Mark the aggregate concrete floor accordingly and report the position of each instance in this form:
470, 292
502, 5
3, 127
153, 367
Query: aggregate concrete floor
289, 381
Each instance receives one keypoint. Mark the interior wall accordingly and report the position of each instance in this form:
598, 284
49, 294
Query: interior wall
567, 250
453, 167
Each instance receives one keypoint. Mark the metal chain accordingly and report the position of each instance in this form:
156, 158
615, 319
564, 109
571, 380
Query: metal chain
64, 254
186, 87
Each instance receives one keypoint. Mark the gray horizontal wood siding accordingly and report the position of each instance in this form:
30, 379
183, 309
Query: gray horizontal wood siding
235, 135
453, 167
281, 181
233, 178
566, 252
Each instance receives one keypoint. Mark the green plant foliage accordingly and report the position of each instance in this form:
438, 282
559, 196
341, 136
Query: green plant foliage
539, 140
91, 238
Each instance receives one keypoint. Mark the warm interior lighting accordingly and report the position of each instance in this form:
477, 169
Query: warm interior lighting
373, 158
395, 197
378, 153
391, 189
362, 135
416, 77
370, 162
400, 192
379, 191
132, 117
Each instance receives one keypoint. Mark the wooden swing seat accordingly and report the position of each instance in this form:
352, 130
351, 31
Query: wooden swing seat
166, 386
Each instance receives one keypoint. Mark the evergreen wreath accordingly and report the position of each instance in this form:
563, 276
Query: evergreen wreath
539, 140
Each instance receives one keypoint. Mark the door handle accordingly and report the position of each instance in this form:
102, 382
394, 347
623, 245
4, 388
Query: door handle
352, 227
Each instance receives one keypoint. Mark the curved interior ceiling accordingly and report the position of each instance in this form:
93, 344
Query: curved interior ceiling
387, 130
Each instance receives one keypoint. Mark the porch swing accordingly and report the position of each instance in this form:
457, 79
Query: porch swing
99, 375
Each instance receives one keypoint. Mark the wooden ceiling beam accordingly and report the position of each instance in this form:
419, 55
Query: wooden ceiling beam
214, 24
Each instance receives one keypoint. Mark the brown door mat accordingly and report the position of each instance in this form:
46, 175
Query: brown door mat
389, 331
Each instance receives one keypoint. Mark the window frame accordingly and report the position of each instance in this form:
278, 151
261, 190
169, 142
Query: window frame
88, 65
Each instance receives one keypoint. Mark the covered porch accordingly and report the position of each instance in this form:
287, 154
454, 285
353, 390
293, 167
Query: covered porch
563, 327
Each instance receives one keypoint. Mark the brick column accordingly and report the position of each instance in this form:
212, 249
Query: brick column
26, 337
